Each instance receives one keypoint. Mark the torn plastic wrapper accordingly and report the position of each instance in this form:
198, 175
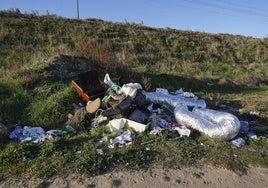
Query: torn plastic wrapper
238, 142
161, 96
100, 152
215, 124
107, 80
244, 127
183, 131
157, 121
130, 89
123, 138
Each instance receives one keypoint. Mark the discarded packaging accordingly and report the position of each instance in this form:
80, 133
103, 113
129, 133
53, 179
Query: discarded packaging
252, 135
100, 152
138, 116
117, 125
123, 138
244, 127
130, 89
88, 86
183, 131
93, 106
238, 142
139, 127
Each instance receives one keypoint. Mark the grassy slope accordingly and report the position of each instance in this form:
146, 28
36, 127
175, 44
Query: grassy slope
33, 92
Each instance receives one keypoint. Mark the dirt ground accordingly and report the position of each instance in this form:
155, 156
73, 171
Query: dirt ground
154, 177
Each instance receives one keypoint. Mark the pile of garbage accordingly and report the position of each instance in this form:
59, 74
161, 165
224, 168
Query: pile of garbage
128, 110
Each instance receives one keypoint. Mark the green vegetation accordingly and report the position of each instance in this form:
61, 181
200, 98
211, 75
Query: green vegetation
40, 55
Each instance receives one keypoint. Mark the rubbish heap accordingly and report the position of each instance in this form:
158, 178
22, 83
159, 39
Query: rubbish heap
128, 110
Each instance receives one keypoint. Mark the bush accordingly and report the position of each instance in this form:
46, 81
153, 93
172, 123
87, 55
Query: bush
99, 52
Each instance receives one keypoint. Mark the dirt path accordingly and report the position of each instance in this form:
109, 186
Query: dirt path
154, 177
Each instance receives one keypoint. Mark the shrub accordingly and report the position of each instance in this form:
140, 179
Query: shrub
99, 52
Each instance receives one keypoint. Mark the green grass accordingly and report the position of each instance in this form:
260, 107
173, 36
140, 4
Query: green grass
50, 111
77, 154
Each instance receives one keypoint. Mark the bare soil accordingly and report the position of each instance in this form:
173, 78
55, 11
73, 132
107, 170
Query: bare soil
154, 177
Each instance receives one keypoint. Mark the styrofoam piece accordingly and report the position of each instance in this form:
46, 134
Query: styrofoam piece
116, 125
139, 127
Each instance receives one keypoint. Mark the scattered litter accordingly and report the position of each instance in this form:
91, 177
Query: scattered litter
215, 124
138, 127
100, 152
99, 118
37, 134
183, 131
252, 135
147, 142
88, 85
117, 125
162, 96
157, 121
93, 106
124, 138
28, 133
210, 84
244, 127
238, 142
254, 113
139, 115
131, 108
130, 89
103, 139
156, 131
107, 80
175, 138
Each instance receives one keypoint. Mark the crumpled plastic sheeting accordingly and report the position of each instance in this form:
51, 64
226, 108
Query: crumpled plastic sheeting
34, 134
123, 138
161, 96
215, 124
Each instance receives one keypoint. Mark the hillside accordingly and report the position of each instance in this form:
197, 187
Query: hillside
40, 55
29, 43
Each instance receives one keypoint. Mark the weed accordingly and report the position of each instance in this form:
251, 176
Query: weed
18, 152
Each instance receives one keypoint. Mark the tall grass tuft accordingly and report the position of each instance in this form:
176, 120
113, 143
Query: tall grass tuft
13, 103
51, 112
